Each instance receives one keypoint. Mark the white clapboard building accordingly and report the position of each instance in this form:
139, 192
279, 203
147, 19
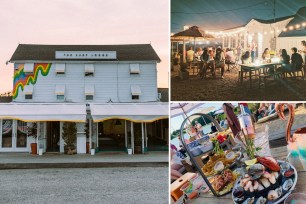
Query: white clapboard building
279, 33
110, 91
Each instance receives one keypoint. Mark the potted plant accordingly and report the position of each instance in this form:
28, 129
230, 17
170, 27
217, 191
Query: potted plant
32, 132
69, 136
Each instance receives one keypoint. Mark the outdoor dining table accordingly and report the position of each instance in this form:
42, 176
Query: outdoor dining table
252, 68
279, 153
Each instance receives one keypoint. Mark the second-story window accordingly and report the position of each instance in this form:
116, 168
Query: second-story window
28, 92
28, 67
136, 92
89, 70
60, 92
60, 69
28, 96
89, 92
134, 69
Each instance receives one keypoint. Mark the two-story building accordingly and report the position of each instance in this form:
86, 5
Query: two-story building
110, 91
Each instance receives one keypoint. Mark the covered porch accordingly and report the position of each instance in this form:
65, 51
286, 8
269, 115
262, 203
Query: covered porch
138, 127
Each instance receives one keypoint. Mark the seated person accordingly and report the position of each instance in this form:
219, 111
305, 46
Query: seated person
261, 111
246, 58
198, 54
296, 61
219, 60
266, 55
176, 166
213, 128
229, 56
211, 62
204, 58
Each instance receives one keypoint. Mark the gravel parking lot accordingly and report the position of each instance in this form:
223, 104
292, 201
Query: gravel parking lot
87, 185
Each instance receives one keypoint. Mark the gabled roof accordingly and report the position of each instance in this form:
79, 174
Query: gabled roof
299, 18
272, 20
133, 52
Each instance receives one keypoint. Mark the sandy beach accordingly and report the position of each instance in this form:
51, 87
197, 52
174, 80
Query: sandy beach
209, 89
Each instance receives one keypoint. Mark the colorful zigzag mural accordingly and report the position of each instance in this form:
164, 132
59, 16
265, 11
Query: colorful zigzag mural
22, 79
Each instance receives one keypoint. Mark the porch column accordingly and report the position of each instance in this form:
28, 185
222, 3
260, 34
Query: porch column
222, 42
97, 139
245, 42
61, 138
38, 136
229, 41
161, 129
146, 135
236, 40
142, 136
132, 136
125, 133
90, 134
184, 51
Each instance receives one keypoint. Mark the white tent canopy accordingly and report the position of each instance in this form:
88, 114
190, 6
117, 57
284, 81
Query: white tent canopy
134, 112
43, 112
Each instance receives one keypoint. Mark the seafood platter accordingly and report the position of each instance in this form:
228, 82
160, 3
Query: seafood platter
219, 170
266, 181
218, 162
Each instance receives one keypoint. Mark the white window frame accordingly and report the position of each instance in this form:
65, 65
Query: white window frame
134, 69
89, 70
60, 90
28, 67
60, 69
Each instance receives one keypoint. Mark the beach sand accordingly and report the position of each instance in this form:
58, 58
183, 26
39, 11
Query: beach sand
228, 89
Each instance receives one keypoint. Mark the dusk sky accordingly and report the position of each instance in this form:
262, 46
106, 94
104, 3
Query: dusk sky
83, 22
224, 14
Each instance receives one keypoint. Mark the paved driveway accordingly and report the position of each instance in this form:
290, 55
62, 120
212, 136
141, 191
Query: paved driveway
88, 185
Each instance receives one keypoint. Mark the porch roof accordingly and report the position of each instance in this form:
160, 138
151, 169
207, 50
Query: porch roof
136, 112
43, 112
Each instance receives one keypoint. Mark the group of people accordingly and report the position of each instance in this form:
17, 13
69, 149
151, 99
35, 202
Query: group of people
211, 58
289, 64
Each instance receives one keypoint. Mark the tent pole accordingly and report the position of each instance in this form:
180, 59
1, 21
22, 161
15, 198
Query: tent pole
184, 51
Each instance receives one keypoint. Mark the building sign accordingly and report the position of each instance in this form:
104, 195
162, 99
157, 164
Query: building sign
85, 55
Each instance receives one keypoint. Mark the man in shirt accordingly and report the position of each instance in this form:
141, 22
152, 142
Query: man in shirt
296, 59
189, 55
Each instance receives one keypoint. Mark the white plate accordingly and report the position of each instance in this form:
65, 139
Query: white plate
280, 200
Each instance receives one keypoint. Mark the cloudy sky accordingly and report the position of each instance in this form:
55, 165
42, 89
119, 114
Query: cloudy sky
223, 14
83, 22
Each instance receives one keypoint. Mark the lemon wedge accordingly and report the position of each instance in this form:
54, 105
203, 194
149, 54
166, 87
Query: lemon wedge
250, 162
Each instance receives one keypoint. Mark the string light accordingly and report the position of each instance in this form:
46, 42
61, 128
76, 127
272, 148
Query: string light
242, 30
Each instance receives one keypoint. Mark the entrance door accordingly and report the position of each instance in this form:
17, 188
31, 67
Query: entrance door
13, 136
53, 136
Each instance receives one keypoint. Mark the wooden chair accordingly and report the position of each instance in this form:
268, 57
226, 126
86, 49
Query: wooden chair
233, 65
